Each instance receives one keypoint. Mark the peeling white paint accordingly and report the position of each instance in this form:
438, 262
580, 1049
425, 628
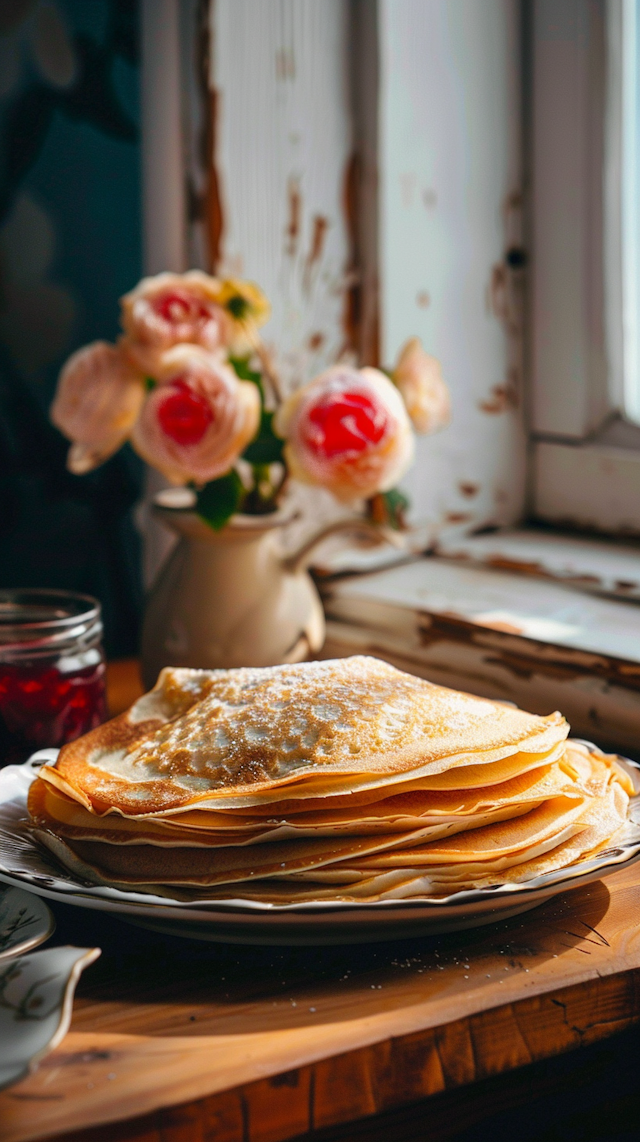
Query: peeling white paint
283, 143
512, 604
448, 158
601, 567
589, 486
450, 164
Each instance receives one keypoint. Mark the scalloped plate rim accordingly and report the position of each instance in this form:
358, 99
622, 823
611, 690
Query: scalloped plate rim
29, 943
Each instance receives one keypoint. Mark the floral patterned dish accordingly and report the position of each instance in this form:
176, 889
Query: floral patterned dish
36, 997
25, 922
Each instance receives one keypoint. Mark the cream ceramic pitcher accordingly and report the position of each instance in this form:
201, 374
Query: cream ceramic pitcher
230, 598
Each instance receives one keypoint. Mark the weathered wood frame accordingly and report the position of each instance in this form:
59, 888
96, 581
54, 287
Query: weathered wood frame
586, 450
416, 153
371, 234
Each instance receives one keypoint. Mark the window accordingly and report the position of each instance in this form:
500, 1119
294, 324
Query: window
388, 168
585, 383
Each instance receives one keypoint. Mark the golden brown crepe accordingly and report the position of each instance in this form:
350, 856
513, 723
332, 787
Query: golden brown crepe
441, 810
232, 738
205, 866
345, 779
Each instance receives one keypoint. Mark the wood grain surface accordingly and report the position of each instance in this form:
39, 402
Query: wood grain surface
124, 685
260, 1044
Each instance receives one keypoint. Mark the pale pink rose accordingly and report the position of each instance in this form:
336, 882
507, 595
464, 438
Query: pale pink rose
198, 420
170, 309
98, 399
419, 379
347, 430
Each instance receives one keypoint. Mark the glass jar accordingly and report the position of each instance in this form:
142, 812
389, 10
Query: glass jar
52, 670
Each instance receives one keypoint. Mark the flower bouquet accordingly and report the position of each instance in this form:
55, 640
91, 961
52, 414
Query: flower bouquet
191, 386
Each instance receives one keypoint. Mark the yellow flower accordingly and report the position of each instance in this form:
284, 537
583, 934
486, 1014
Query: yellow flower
245, 301
247, 309
419, 379
97, 402
347, 430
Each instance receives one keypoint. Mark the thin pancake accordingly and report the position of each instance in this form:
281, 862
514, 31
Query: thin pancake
139, 864
229, 737
307, 796
142, 864
464, 809
600, 821
490, 842
119, 830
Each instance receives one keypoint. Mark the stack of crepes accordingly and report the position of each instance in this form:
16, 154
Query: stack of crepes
336, 780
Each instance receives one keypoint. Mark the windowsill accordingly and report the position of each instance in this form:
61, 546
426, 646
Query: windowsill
512, 616
600, 566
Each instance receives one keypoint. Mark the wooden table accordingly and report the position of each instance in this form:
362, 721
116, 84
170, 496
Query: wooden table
262, 1045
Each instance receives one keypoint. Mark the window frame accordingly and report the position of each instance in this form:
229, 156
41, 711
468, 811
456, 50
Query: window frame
583, 466
583, 346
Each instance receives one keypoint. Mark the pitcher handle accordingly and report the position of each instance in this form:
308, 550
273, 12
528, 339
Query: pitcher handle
365, 528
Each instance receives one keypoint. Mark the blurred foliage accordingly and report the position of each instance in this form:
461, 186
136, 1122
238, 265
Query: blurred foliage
91, 97
56, 529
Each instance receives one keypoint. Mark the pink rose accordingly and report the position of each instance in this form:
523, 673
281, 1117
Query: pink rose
419, 379
170, 309
199, 419
347, 430
98, 399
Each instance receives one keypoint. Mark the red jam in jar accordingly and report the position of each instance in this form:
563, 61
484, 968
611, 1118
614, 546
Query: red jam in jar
52, 670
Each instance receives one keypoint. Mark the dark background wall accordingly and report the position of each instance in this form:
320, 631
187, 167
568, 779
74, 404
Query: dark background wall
70, 245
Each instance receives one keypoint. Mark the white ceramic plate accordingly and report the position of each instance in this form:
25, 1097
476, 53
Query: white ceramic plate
25, 922
36, 997
24, 864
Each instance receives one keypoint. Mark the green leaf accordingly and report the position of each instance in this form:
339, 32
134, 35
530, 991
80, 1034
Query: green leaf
219, 499
149, 383
240, 365
396, 499
266, 447
396, 504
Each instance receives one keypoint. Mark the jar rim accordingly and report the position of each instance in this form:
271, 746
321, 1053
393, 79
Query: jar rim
38, 615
